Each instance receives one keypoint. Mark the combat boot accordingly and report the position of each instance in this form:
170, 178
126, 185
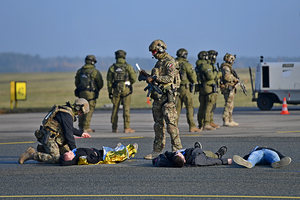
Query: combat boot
89, 130
129, 130
282, 162
195, 129
28, 155
214, 125
115, 130
234, 123
208, 128
228, 124
152, 155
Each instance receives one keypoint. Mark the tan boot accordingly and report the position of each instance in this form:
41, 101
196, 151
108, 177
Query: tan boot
208, 128
152, 155
234, 123
228, 124
214, 125
115, 130
89, 130
195, 129
28, 155
129, 130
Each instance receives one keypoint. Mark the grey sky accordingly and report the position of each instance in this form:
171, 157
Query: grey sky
77, 28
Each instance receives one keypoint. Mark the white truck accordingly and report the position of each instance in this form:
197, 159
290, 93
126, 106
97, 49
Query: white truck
275, 81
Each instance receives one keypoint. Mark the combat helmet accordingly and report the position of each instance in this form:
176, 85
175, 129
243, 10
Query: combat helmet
203, 55
120, 54
157, 46
182, 53
228, 58
90, 59
212, 55
81, 104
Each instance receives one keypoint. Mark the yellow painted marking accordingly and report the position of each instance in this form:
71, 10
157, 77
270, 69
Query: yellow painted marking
186, 196
129, 137
18, 142
191, 135
288, 132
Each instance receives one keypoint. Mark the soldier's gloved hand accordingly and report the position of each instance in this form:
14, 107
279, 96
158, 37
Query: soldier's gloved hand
150, 79
110, 96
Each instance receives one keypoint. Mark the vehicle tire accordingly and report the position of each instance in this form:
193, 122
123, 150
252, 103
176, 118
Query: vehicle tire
265, 102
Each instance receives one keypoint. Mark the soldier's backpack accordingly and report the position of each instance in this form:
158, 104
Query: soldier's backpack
87, 82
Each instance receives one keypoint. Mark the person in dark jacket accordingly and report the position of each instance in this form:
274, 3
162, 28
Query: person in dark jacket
262, 156
95, 156
56, 134
192, 157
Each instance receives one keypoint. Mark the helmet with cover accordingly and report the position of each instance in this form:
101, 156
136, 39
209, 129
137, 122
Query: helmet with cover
182, 53
212, 55
228, 58
120, 54
157, 47
90, 59
203, 55
81, 104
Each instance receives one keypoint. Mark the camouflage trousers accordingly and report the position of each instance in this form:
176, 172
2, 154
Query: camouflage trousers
84, 121
205, 109
228, 108
53, 152
186, 97
165, 112
116, 100
214, 99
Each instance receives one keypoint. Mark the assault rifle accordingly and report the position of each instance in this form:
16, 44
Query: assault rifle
243, 87
151, 86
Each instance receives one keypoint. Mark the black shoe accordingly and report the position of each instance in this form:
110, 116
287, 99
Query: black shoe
198, 145
221, 151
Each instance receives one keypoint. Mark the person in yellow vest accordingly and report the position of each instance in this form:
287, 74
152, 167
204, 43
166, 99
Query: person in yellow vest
56, 134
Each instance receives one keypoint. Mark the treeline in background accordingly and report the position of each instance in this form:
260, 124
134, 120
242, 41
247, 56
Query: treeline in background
24, 63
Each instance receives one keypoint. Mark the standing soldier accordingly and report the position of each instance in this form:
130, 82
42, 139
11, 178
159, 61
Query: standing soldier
207, 88
202, 58
212, 56
228, 89
120, 78
188, 79
166, 76
88, 82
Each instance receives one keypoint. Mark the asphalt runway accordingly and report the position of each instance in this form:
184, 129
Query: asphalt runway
137, 178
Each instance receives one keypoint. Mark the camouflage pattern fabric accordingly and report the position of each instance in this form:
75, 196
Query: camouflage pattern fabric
228, 108
214, 99
84, 121
164, 111
53, 152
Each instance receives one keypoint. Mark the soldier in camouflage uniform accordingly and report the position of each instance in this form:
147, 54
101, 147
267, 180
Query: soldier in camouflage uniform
228, 89
188, 79
207, 89
212, 56
88, 82
120, 78
56, 133
167, 77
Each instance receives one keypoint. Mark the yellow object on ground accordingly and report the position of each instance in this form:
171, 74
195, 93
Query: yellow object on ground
117, 155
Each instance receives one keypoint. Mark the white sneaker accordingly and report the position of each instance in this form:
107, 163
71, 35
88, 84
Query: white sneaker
281, 163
